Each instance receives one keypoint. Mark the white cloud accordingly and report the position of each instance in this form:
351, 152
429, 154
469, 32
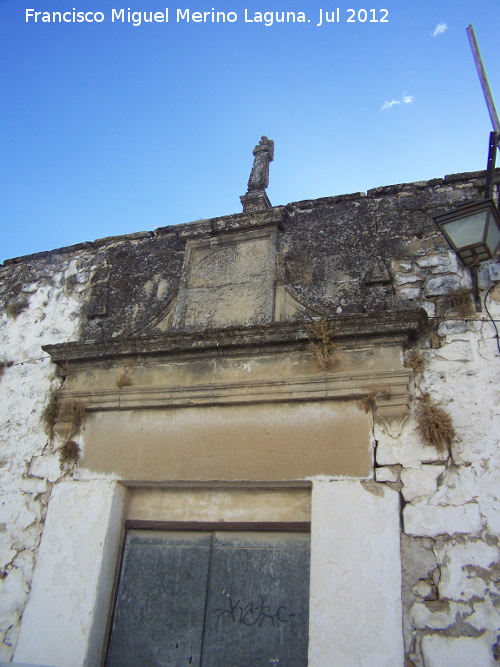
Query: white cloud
388, 105
440, 29
404, 99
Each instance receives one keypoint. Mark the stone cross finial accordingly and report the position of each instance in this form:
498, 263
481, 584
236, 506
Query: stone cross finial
264, 154
256, 198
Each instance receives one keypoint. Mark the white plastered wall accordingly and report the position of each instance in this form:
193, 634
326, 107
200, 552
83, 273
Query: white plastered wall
355, 610
64, 624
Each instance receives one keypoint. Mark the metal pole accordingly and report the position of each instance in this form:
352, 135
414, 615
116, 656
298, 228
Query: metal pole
490, 168
483, 78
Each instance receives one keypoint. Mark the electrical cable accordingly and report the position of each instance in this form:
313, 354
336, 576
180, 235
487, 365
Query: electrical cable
489, 314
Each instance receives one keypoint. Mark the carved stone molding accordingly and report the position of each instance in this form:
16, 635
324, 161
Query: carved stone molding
329, 386
67, 429
388, 328
241, 403
273, 363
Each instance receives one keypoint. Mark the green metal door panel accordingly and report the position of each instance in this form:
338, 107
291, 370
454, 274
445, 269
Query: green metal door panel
257, 607
161, 600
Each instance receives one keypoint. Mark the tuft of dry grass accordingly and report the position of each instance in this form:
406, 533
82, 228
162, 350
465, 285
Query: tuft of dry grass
124, 380
320, 336
460, 302
69, 452
15, 308
73, 411
434, 424
49, 415
54, 411
369, 401
415, 360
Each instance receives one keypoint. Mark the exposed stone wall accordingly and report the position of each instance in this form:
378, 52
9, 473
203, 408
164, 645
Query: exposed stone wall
350, 254
336, 251
450, 500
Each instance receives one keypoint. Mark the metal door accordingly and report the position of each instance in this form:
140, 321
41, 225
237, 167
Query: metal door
212, 599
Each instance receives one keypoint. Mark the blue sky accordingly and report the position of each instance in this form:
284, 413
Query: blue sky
110, 128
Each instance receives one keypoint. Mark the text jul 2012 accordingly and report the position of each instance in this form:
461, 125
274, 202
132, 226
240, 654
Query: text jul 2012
267, 18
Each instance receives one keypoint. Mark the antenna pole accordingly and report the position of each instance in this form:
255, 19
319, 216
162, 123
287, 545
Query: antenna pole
484, 80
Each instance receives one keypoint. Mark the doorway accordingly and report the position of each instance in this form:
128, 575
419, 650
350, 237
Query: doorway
212, 599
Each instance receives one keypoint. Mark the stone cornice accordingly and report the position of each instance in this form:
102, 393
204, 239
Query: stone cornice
393, 327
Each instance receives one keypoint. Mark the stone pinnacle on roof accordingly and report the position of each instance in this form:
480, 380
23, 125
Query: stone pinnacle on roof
256, 198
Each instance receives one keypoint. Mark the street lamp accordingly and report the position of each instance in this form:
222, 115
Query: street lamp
473, 229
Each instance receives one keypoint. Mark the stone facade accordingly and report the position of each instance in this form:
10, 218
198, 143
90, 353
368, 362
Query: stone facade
284, 350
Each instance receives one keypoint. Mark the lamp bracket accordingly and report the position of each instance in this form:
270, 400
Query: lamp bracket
475, 284
490, 169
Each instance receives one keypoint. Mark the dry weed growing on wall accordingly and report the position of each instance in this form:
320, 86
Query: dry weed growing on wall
433, 423
124, 380
49, 415
72, 411
69, 452
369, 401
460, 302
320, 336
415, 360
